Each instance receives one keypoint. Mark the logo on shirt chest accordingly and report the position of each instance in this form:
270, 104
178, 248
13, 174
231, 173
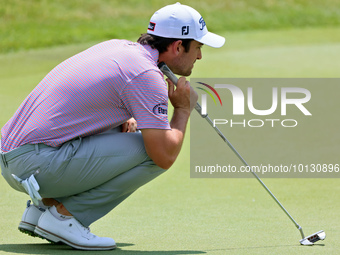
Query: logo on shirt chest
160, 109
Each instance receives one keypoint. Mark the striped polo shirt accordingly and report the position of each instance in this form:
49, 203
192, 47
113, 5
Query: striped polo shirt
89, 93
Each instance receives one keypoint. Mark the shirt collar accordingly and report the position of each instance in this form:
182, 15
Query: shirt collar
153, 52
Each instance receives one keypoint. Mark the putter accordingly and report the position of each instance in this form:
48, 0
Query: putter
309, 240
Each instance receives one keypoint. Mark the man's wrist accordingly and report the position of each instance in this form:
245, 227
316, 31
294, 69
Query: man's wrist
182, 111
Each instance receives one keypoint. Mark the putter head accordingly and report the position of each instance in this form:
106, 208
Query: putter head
310, 240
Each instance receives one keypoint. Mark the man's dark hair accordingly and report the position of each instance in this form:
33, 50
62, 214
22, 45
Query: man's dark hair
162, 43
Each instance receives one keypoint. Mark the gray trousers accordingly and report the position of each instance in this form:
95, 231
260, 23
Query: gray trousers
90, 175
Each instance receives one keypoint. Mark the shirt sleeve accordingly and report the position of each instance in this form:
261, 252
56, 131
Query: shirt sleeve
146, 99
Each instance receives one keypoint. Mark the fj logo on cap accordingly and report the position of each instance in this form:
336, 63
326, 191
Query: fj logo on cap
185, 30
151, 26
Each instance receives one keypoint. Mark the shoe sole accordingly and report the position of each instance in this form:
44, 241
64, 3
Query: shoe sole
55, 238
28, 229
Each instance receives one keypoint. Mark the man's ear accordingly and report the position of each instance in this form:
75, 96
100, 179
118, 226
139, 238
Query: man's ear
177, 47
173, 50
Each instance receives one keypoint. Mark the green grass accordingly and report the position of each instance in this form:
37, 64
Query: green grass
311, 52
27, 24
175, 214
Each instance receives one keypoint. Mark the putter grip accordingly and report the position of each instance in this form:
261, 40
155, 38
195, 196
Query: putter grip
166, 70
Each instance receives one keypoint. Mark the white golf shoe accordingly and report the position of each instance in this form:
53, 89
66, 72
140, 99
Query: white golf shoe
72, 233
30, 219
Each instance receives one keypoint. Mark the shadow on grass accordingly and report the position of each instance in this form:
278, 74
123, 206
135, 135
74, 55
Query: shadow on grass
264, 247
65, 250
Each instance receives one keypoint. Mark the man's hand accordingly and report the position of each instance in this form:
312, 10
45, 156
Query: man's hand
129, 126
163, 146
184, 96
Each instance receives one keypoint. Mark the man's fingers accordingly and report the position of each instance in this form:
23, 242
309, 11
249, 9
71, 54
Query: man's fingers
129, 126
132, 127
125, 127
171, 87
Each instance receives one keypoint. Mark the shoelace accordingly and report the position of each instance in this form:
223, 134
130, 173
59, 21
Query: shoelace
88, 232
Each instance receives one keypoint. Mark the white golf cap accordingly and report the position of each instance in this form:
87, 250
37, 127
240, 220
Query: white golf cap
182, 22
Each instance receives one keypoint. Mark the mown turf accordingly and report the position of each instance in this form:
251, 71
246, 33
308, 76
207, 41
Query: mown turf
27, 24
290, 53
175, 214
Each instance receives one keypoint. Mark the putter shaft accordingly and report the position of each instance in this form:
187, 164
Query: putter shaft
165, 69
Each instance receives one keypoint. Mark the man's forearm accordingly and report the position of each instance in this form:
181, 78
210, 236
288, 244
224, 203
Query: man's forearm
178, 125
163, 146
180, 119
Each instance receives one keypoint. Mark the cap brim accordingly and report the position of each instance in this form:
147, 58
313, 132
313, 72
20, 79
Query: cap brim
212, 40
